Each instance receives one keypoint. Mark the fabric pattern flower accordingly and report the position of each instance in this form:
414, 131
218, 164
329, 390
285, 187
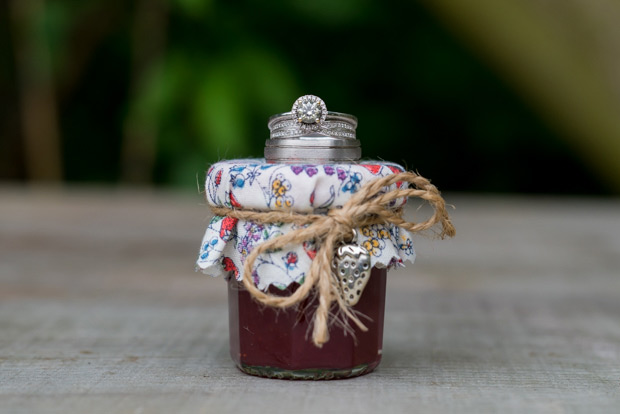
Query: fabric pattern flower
279, 187
373, 246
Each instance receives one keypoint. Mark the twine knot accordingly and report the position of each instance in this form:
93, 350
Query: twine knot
371, 204
341, 220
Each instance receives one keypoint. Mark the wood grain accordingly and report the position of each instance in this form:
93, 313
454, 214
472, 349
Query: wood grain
101, 311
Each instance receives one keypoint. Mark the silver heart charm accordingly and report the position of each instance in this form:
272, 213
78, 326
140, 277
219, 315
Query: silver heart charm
352, 267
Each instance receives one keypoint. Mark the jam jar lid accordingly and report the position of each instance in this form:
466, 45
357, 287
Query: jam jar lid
255, 184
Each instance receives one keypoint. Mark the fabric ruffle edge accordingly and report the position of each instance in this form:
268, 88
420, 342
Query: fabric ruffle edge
228, 241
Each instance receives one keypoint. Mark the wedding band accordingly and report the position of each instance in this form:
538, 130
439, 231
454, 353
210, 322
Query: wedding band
309, 115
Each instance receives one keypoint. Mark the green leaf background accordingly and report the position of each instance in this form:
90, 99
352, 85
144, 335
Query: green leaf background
490, 96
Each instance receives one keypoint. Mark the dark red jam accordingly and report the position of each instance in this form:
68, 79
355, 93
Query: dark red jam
278, 343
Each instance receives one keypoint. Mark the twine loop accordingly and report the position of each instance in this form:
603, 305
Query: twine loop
369, 205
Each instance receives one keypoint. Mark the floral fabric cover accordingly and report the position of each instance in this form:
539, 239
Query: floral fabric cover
304, 188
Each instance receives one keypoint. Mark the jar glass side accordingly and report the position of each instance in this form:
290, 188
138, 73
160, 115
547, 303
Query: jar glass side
277, 343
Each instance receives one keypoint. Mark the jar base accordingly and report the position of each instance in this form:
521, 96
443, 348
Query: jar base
308, 374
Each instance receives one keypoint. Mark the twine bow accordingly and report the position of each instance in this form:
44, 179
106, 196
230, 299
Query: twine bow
369, 205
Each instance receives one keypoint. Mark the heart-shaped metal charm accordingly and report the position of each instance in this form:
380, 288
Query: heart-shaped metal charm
352, 267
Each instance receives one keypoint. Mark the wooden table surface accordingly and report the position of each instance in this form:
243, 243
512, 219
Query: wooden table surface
101, 312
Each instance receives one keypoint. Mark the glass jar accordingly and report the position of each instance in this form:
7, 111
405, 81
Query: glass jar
311, 166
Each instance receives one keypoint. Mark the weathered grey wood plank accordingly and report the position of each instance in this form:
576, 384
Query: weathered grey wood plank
100, 311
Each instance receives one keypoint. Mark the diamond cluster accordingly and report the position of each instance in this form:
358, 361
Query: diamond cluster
309, 112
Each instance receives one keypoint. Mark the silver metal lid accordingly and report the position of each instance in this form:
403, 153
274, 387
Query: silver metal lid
309, 133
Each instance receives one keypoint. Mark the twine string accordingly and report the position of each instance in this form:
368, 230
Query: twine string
369, 205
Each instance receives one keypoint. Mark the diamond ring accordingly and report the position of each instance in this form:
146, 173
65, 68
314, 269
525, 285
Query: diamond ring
309, 115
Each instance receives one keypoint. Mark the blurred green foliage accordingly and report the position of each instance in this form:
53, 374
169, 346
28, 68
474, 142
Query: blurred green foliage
155, 90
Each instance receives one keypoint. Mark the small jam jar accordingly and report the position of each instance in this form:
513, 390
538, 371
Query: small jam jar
311, 165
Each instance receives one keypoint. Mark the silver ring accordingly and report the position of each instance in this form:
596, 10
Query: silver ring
309, 115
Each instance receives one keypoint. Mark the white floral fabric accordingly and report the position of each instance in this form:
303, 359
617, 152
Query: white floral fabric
304, 188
